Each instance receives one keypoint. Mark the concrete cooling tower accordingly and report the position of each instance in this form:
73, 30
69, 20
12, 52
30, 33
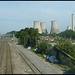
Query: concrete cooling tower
37, 26
54, 27
43, 27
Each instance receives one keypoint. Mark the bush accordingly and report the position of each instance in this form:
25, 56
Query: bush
44, 48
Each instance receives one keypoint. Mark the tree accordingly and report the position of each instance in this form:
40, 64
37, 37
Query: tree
44, 34
11, 33
53, 35
29, 35
42, 48
19, 32
68, 34
68, 48
49, 48
23, 38
33, 35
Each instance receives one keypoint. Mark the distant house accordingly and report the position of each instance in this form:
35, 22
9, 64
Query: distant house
40, 41
46, 38
50, 39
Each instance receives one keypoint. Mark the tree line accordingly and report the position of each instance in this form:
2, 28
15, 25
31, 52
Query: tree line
67, 34
28, 36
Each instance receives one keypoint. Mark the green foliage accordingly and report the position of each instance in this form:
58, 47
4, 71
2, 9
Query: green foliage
70, 71
19, 32
68, 48
33, 35
62, 40
49, 48
11, 33
65, 67
68, 34
44, 34
44, 48
53, 35
28, 36
23, 38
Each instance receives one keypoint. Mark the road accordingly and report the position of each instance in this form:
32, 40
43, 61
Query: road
15, 59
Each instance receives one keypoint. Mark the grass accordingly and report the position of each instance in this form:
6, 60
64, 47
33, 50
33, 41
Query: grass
65, 67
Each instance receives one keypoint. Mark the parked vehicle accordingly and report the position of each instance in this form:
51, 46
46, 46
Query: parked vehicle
53, 59
36, 49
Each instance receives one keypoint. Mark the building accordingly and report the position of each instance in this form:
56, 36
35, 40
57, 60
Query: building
68, 27
48, 31
37, 26
54, 27
43, 27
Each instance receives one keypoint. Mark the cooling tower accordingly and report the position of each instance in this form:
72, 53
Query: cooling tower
37, 26
43, 27
68, 27
54, 27
48, 31
73, 22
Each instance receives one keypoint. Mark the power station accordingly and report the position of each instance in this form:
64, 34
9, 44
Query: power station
43, 27
68, 27
37, 26
54, 27
73, 22
48, 31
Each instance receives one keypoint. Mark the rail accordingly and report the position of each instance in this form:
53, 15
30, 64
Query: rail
29, 62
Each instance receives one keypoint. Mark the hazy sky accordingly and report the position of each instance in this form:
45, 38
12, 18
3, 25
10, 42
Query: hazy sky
17, 15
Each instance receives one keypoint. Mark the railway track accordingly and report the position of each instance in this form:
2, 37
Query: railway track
1, 57
29, 63
9, 69
5, 57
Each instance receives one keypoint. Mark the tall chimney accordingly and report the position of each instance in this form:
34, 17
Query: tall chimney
73, 22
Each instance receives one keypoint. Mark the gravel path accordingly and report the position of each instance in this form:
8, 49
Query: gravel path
19, 66
43, 65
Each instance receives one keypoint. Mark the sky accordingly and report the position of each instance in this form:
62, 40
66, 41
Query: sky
17, 15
